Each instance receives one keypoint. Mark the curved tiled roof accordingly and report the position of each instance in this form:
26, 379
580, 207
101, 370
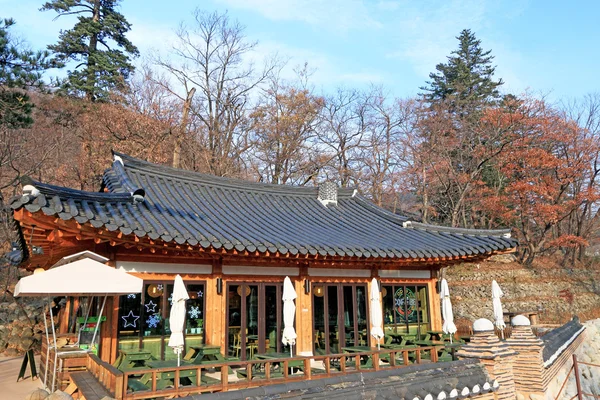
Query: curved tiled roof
159, 202
558, 339
450, 380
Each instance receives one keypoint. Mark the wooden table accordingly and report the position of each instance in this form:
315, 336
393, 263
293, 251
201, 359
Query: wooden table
205, 352
452, 347
365, 361
436, 335
130, 359
429, 342
532, 315
270, 356
167, 378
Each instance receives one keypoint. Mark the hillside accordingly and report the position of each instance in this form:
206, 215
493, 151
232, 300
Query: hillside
556, 292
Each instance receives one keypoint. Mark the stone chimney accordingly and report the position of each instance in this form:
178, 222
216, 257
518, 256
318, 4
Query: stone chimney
529, 363
495, 355
328, 193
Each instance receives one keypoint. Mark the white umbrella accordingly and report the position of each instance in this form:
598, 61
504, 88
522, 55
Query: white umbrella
289, 311
80, 274
177, 317
448, 327
376, 312
498, 314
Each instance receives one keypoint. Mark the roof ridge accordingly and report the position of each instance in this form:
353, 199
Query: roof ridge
130, 162
53, 190
462, 231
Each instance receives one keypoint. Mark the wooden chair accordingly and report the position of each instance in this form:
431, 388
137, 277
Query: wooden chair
317, 340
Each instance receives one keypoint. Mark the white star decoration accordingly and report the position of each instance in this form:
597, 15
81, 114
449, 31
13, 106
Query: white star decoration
150, 307
195, 312
153, 321
130, 320
131, 296
200, 294
159, 286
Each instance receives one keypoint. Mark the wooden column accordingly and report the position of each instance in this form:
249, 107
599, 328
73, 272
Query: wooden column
216, 308
434, 303
304, 318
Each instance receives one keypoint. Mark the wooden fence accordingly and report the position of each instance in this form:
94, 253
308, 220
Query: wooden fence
170, 382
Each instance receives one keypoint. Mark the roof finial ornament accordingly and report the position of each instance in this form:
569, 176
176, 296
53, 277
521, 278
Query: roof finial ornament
118, 159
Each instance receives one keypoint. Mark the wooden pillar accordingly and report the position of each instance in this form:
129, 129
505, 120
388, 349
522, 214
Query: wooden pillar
109, 328
108, 335
304, 317
216, 308
435, 309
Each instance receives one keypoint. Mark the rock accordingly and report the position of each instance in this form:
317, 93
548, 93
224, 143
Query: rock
38, 394
107, 398
534, 396
520, 396
11, 352
59, 395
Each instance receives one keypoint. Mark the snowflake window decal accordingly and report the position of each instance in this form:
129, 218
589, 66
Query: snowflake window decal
195, 312
131, 296
153, 321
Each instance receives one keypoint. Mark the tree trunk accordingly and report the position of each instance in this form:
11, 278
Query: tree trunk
91, 73
184, 120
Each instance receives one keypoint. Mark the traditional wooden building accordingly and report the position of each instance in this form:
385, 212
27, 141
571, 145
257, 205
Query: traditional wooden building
234, 242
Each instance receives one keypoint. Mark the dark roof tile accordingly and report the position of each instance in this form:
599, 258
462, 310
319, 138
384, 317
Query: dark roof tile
187, 207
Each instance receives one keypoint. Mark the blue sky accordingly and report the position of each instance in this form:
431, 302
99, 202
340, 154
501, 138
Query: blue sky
548, 47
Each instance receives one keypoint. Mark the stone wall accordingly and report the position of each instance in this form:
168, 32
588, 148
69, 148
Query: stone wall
21, 325
557, 292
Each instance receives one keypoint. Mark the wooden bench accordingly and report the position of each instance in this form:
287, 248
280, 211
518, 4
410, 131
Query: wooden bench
87, 385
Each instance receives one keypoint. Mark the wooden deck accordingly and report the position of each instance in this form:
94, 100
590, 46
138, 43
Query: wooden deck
87, 386
172, 382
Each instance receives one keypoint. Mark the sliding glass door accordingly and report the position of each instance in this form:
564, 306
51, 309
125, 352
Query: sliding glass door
254, 319
340, 317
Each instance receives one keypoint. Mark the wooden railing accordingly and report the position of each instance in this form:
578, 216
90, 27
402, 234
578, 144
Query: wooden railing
110, 377
194, 379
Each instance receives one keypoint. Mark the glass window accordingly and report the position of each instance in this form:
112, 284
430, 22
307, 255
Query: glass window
144, 318
405, 308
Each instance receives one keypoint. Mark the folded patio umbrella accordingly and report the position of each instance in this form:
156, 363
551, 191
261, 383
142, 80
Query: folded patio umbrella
376, 312
289, 311
497, 305
447, 314
177, 317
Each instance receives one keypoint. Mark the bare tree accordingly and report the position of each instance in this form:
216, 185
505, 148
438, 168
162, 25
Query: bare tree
341, 130
388, 124
212, 56
283, 132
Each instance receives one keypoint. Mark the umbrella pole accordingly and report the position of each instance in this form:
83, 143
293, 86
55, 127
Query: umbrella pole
98, 322
55, 349
47, 351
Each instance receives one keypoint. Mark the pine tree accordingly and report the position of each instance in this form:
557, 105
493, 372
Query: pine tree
20, 69
97, 43
466, 80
